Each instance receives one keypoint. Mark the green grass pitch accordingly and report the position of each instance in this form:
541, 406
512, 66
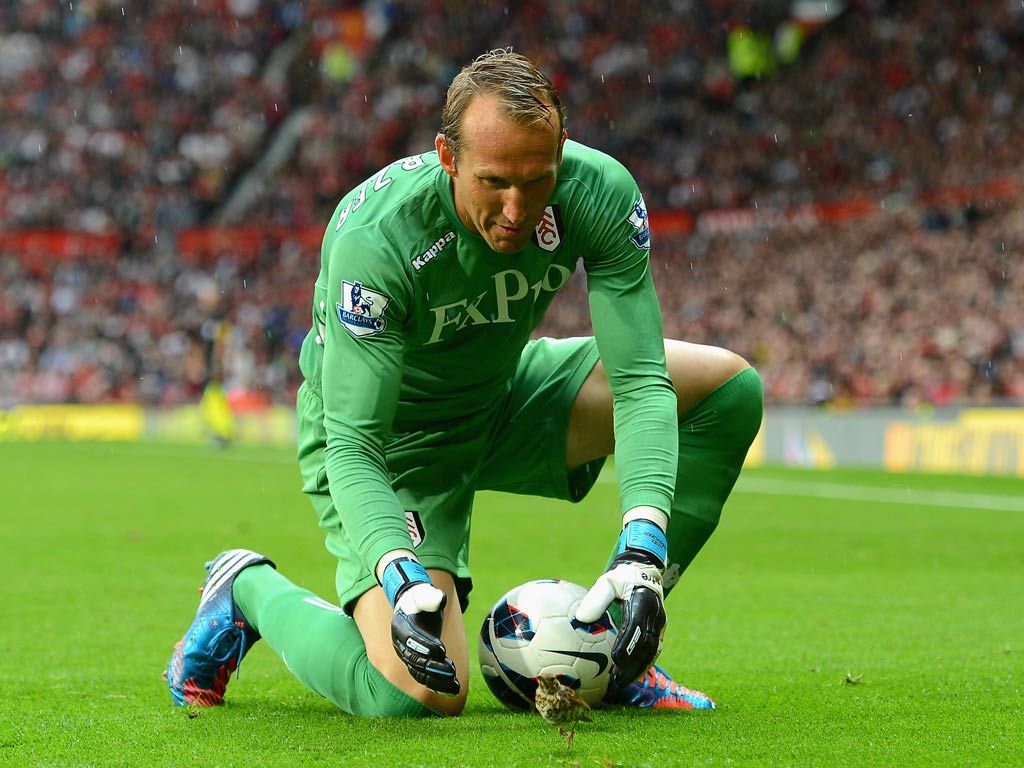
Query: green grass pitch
838, 618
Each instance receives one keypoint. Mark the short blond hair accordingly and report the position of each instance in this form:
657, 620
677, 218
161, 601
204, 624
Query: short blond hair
525, 93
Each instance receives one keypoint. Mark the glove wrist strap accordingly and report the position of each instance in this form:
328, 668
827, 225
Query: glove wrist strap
399, 575
642, 541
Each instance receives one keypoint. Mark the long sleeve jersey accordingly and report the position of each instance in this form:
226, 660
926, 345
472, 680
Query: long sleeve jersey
417, 322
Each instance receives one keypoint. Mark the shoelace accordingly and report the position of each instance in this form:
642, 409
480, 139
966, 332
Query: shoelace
664, 683
658, 681
238, 647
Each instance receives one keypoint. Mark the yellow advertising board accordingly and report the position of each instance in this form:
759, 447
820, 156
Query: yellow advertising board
755, 456
274, 425
989, 441
73, 422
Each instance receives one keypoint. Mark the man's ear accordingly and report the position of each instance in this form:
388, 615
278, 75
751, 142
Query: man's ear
445, 155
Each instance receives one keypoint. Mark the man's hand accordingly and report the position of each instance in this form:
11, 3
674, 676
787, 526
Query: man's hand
416, 625
633, 579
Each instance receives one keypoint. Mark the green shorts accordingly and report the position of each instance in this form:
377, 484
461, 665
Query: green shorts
517, 447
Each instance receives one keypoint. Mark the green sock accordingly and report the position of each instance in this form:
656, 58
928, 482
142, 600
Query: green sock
319, 644
714, 436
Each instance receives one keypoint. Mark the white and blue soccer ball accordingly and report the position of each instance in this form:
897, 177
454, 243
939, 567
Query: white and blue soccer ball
531, 631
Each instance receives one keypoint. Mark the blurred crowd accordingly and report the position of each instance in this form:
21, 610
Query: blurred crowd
143, 120
887, 98
152, 328
132, 115
876, 311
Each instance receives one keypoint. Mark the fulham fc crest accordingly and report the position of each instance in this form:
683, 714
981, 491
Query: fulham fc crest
361, 309
548, 234
415, 526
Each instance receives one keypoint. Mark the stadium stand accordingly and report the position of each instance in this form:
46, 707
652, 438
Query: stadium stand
842, 205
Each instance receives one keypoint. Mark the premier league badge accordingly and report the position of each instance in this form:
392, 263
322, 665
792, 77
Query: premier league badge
638, 218
361, 309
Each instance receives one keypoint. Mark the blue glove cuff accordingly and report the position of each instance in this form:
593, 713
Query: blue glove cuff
645, 536
401, 573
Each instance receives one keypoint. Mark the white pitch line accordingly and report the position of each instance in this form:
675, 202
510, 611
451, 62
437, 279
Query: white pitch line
911, 496
762, 486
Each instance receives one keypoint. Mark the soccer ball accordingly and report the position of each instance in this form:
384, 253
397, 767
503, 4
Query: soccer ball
532, 631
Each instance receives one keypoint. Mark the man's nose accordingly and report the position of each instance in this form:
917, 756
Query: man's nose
514, 206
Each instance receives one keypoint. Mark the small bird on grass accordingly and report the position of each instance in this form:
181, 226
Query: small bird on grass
560, 705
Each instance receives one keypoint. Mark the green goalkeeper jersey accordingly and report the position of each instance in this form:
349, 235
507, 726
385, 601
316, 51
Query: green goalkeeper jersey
418, 323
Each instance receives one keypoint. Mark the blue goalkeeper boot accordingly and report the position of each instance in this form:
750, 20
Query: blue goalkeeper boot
657, 690
218, 638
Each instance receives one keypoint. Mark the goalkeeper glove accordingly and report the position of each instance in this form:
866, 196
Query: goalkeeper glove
416, 624
634, 580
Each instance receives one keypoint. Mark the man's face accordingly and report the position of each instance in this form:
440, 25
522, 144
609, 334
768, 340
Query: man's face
504, 175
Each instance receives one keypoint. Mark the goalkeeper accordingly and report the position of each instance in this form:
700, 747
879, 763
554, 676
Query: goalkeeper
422, 386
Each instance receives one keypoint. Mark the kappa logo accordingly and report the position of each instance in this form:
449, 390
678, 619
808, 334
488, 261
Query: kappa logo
638, 218
432, 252
415, 526
360, 309
548, 233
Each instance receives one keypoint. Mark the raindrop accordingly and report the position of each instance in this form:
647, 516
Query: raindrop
882, 203
179, 51
122, 10
910, 114
244, 284
755, 205
155, 240
71, 6
1003, 245
602, 78
776, 137
649, 77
